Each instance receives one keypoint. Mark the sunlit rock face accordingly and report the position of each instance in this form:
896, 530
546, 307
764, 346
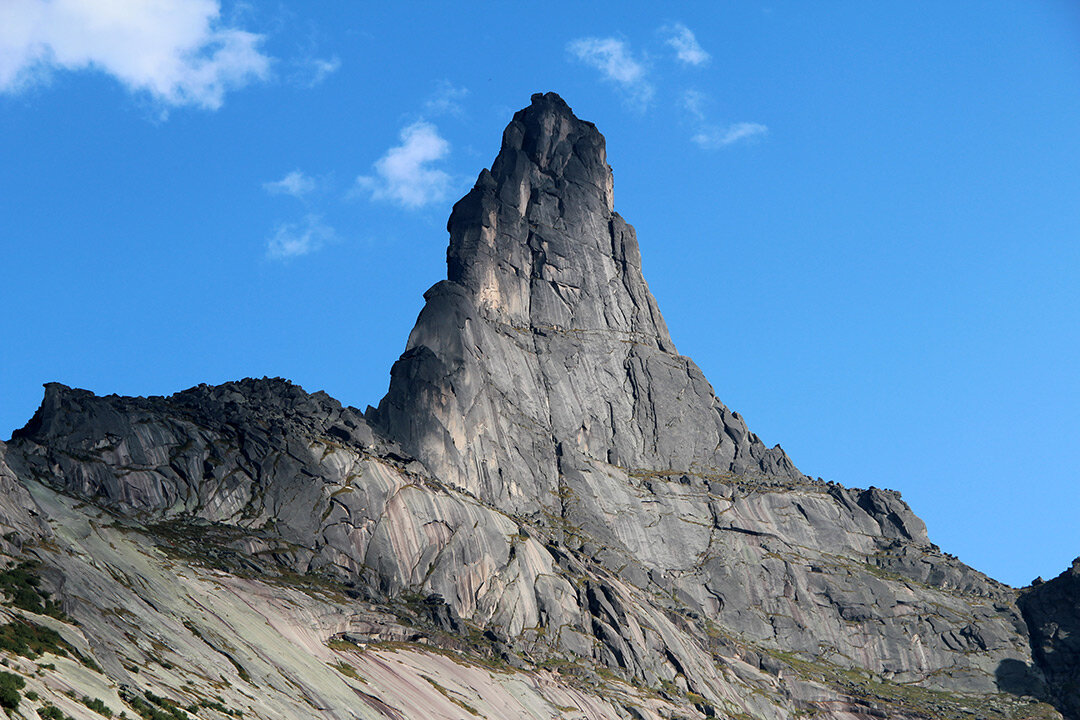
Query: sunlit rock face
544, 351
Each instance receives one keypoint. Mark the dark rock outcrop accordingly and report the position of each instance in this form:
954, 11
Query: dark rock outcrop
305, 480
1052, 612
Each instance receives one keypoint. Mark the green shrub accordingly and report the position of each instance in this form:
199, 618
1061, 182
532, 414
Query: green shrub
172, 711
31, 640
21, 584
10, 685
97, 706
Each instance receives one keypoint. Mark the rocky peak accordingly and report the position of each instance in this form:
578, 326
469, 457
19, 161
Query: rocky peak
544, 355
537, 244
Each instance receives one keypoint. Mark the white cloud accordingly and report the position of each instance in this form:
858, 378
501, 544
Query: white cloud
295, 239
694, 103
177, 51
614, 60
295, 183
687, 48
404, 174
312, 71
715, 137
446, 100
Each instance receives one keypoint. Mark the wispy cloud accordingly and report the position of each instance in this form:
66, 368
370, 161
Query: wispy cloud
296, 239
404, 175
179, 52
446, 100
693, 101
295, 183
686, 46
714, 137
612, 57
311, 71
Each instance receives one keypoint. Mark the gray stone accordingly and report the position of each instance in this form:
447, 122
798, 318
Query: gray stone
547, 482
544, 347
1052, 612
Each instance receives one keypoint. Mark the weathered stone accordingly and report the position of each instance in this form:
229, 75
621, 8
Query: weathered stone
544, 347
547, 482
1052, 612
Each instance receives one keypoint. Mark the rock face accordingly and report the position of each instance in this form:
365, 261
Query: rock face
541, 378
306, 480
544, 348
547, 484
1052, 611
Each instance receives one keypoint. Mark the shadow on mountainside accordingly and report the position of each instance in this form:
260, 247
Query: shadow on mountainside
1021, 679
1052, 613
1025, 681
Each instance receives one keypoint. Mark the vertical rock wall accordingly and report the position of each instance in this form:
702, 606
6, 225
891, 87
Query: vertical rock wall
544, 346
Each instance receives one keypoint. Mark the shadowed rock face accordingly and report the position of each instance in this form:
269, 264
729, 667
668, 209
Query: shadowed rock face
545, 473
544, 348
1052, 611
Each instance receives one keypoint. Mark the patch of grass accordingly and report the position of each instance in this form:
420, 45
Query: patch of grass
457, 701
559, 664
342, 645
169, 709
346, 669
31, 640
215, 705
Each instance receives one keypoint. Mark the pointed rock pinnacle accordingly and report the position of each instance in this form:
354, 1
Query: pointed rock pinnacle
544, 353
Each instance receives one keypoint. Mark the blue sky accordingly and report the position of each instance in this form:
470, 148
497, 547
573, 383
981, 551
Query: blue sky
861, 220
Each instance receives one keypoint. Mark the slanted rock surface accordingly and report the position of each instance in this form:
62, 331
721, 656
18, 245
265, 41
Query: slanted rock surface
548, 494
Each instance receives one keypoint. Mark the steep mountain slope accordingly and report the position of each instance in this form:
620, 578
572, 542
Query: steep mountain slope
548, 494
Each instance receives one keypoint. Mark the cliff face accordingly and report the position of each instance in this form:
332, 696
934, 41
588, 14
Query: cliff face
547, 485
1052, 611
544, 350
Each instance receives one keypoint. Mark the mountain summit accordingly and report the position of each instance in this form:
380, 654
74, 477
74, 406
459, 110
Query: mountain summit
543, 352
